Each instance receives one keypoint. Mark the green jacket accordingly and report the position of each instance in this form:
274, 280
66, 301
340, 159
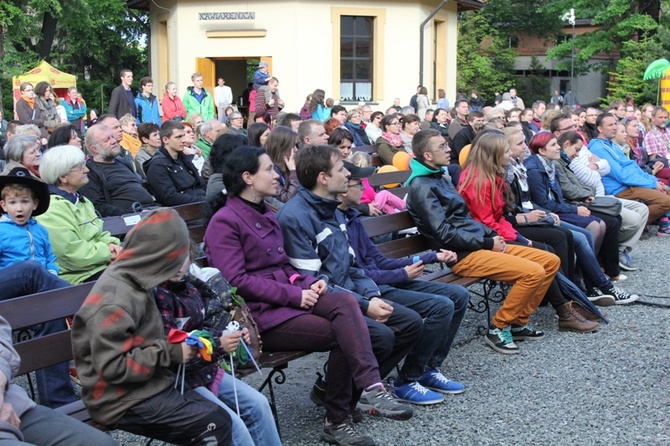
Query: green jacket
78, 241
204, 146
205, 108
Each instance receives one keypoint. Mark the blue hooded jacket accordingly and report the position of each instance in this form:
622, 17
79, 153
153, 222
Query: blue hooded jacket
19, 243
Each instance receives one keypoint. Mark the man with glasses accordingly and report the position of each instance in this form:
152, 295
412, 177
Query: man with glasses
657, 140
590, 124
442, 215
236, 123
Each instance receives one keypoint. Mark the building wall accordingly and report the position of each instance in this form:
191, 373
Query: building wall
303, 43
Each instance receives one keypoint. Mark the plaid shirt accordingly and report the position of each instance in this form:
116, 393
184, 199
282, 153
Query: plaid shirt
182, 307
657, 142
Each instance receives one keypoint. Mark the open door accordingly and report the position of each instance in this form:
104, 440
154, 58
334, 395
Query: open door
269, 61
207, 68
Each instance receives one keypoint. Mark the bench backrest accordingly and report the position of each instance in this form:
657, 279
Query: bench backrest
25, 311
392, 223
380, 179
191, 213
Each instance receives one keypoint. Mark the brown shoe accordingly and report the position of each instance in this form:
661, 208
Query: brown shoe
586, 314
571, 320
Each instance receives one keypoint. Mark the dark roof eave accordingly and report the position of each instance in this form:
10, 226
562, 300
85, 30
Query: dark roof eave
142, 5
470, 5
463, 5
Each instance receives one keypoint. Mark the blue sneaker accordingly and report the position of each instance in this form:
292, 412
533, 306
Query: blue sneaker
435, 380
414, 393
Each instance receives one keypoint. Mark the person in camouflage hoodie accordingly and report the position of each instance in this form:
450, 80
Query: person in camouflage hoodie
123, 358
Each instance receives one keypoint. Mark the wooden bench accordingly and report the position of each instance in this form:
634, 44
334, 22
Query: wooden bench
36, 353
414, 244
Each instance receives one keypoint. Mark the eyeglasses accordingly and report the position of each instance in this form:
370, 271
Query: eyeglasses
441, 148
565, 129
78, 167
394, 123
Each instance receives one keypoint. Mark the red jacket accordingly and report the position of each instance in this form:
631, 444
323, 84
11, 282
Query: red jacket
172, 107
487, 212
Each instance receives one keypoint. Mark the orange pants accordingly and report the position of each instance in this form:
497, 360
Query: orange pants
529, 270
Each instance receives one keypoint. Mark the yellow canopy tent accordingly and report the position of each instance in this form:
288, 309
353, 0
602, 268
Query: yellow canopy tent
45, 72
58, 80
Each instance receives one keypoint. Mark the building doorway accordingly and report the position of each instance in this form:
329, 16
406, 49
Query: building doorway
237, 71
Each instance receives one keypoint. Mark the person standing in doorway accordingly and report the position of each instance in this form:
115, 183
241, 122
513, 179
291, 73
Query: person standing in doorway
223, 96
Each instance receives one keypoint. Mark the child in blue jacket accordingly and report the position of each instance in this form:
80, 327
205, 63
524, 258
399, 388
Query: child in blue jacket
21, 237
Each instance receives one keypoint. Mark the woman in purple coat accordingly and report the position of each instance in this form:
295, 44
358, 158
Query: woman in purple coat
293, 312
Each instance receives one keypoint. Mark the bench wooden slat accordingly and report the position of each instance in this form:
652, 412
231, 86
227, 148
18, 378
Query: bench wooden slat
43, 307
379, 179
404, 247
45, 351
388, 223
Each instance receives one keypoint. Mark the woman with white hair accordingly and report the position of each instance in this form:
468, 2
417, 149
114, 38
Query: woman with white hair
23, 151
83, 250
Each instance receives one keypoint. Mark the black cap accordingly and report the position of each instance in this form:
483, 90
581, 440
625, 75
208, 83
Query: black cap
20, 175
358, 173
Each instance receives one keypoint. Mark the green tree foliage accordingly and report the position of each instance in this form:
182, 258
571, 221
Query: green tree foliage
617, 22
629, 70
535, 85
485, 61
92, 39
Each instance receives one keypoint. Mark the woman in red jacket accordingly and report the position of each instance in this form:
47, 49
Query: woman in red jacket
171, 104
483, 187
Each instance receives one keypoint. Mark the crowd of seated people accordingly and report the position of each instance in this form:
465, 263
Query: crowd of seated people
504, 193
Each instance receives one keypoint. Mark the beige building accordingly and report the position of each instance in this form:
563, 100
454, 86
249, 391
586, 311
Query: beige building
370, 50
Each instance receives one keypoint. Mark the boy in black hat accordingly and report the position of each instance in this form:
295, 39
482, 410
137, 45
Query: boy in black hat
21, 237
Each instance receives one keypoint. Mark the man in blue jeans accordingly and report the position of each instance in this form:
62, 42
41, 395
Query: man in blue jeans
53, 383
441, 305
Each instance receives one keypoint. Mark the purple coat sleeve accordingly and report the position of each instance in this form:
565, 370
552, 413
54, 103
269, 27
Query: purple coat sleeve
233, 249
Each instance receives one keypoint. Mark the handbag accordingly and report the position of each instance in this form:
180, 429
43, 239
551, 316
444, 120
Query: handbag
546, 222
605, 205
222, 305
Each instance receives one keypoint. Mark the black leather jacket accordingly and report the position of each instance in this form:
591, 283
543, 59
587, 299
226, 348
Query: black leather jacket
442, 215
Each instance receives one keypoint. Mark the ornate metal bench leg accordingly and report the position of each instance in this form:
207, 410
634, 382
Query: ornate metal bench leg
279, 377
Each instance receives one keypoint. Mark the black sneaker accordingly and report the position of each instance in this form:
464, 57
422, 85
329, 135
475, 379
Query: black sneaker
597, 297
501, 340
344, 434
621, 296
318, 392
526, 333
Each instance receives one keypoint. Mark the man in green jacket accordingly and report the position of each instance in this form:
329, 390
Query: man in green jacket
198, 100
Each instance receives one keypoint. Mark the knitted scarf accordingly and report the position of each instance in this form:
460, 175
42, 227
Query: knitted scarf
549, 168
394, 139
30, 101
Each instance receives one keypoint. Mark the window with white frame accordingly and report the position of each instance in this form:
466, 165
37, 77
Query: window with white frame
356, 58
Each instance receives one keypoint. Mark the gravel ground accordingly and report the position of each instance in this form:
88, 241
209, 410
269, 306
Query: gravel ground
606, 388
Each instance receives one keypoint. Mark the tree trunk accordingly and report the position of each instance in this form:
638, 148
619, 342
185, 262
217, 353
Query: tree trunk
49, 25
